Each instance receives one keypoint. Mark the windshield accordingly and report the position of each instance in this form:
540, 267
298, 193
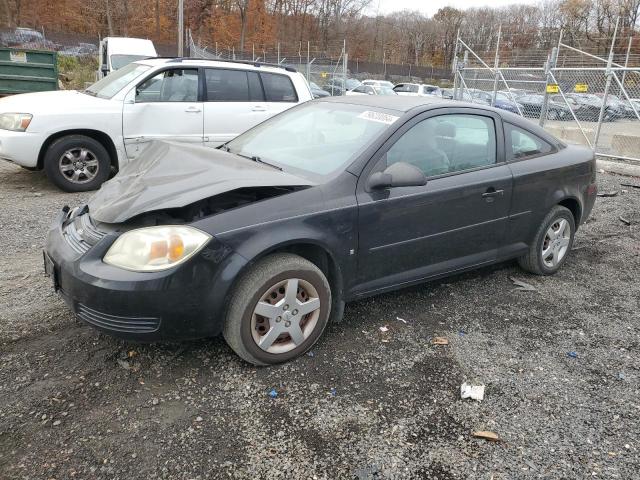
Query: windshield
314, 138
116, 81
119, 61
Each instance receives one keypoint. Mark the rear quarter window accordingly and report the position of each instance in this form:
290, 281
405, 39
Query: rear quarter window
522, 144
278, 88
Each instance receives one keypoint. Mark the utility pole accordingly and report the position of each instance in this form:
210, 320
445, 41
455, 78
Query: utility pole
180, 28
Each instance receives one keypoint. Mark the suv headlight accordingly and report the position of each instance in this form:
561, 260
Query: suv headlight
155, 248
17, 122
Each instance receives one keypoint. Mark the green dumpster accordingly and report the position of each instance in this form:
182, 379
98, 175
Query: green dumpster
24, 71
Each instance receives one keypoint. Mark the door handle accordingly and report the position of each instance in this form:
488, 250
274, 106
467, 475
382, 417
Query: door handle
192, 110
259, 109
492, 192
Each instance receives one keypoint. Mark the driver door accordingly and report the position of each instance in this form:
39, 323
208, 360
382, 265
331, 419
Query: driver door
167, 107
455, 221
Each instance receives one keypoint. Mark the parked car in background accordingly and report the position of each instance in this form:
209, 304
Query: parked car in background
371, 90
337, 86
622, 108
416, 89
447, 93
336, 200
116, 52
80, 50
532, 107
378, 83
78, 138
318, 92
590, 106
27, 38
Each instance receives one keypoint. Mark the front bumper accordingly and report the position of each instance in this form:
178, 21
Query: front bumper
22, 148
184, 302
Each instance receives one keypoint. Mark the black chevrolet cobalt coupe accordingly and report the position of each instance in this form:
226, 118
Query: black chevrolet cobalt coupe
266, 238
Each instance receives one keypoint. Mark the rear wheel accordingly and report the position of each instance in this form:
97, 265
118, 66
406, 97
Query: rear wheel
278, 310
77, 163
552, 243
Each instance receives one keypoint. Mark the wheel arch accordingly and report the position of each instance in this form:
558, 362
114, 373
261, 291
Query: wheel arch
97, 135
574, 207
318, 254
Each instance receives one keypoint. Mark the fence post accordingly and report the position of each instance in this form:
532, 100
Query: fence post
454, 67
607, 86
548, 66
496, 66
344, 65
308, 62
626, 59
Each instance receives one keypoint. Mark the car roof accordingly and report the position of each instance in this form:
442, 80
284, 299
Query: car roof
403, 104
240, 65
398, 103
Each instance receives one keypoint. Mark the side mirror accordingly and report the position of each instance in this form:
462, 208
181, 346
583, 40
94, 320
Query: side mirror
399, 174
369, 93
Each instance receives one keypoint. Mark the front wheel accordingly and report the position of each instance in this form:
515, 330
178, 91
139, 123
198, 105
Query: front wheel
77, 163
552, 243
278, 310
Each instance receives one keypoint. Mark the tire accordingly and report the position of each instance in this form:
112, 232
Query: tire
535, 261
244, 329
92, 158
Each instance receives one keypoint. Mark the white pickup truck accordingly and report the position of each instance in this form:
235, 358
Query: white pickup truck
80, 137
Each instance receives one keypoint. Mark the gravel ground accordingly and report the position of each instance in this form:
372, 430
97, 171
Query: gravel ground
366, 405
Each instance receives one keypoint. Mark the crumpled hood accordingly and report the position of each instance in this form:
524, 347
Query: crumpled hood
174, 175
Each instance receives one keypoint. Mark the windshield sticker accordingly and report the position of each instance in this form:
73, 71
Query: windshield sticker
378, 117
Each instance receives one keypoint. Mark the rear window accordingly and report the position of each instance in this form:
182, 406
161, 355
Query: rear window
278, 88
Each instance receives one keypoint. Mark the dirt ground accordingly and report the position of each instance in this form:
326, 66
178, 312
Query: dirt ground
560, 364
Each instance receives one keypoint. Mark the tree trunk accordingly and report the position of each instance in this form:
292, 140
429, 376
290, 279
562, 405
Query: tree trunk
109, 22
7, 10
157, 19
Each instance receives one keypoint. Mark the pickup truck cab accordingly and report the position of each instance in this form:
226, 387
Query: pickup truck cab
80, 137
116, 52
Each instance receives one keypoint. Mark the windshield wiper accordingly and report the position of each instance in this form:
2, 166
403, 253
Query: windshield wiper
255, 159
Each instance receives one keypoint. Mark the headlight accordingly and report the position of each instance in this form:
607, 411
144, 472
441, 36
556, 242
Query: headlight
18, 122
155, 248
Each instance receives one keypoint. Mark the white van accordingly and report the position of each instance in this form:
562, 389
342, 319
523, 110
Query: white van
116, 52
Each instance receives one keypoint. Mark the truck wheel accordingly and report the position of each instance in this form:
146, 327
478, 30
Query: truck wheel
278, 310
552, 243
77, 163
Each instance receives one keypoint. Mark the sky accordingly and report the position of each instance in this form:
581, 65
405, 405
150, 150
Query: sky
429, 7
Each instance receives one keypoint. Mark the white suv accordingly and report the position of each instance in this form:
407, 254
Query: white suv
79, 137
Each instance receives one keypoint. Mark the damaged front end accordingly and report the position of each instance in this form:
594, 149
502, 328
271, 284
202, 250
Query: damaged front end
168, 189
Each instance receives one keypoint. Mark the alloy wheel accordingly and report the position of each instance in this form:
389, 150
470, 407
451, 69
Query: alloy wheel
285, 316
556, 243
79, 165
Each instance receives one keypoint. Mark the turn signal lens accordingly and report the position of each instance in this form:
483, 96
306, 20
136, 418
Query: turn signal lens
155, 248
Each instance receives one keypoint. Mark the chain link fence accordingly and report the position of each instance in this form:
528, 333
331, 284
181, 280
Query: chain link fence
579, 96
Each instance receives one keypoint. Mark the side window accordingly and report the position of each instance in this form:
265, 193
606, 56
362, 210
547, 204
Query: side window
226, 85
522, 144
447, 144
361, 89
278, 88
177, 85
255, 87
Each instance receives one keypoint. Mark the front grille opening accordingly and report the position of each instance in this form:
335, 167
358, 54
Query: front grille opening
81, 234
